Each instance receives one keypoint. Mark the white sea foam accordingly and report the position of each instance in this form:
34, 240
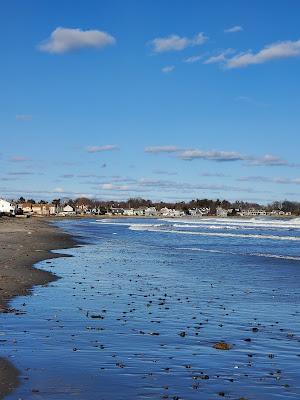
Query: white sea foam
239, 223
277, 256
218, 234
213, 224
196, 226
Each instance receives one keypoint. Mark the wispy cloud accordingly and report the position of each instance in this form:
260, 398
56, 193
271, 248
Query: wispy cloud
112, 186
168, 69
147, 185
20, 173
234, 29
214, 174
163, 172
68, 176
177, 43
220, 57
63, 40
274, 51
23, 117
269, 160
19, 159
192, 59
99, 149
214, 155
264, 179
58, 190
229, 156
222, 156
249, 100
161, 149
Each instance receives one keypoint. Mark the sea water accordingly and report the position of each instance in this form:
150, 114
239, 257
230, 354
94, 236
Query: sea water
142, 302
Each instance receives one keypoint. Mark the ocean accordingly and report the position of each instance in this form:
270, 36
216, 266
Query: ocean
142, 303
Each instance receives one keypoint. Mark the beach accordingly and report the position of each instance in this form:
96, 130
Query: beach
174, 309
23, 243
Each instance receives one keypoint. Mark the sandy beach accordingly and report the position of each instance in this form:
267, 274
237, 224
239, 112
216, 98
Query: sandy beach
23, 243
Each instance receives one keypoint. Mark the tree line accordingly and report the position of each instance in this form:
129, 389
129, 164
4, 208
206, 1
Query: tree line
138, 202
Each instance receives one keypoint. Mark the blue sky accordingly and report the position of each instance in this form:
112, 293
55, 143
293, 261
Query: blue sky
166, 100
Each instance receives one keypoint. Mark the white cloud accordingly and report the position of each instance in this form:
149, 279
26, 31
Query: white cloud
167, 69
63, 40
58, 190
249, 100
274, 51
163, 172
177, 43
211, 155
161, 149
192, 59
269, 160
99, 149
234, 29
220, 57
111, 186
23, 117
264, 179
19, 159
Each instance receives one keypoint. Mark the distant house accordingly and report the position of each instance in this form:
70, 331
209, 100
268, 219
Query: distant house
117, 211
37, 209
168, 212
25, 207
139, 212
150, 212
165, 211
221, 212
6, 208
252, 212
49, 209
129, 212
199, 212
68, 210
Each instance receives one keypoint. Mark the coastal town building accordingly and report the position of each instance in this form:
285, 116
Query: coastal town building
199, 212
252, 213
151, 212
26, 207
6, 207
68, 210
221, 212
129, 212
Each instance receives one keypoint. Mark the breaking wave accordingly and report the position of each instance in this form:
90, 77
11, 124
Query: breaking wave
266, 255
137, 227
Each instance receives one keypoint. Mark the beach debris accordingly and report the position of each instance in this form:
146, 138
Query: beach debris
222, 346
197, 377
120, 365
97, 316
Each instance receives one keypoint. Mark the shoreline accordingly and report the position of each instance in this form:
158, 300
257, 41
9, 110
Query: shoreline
23, 243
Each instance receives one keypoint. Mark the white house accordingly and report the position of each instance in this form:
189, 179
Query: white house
150, 212
68, 210
220, 212
199, 212
129, 212
25, 207
168, 212
6, 208
252, 212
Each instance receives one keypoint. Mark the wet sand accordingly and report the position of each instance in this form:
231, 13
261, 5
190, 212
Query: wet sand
24, 242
